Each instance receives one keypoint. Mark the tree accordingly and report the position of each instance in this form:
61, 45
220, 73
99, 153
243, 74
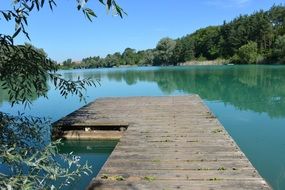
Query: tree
24, 70
129, 56
247, 54
67, 62
165, 51
184, 50
146, 57
279, 49
112, 60
277, 17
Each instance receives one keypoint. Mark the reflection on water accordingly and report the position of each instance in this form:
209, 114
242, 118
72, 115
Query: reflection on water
256, 88
248, 100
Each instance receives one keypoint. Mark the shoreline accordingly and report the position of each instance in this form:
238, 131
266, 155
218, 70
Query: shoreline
206, 62
218, 62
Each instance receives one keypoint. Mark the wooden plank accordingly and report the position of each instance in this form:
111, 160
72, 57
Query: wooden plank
93, 135
170, 143
138, 183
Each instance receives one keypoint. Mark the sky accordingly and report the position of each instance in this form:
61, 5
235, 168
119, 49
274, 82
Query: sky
65, 33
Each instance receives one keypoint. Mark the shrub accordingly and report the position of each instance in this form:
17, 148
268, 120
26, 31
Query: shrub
247, 54
279, 49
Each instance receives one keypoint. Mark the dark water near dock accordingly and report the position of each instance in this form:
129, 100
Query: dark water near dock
248, 100
94, 152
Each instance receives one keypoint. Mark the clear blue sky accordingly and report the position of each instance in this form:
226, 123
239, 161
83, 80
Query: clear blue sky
65, 33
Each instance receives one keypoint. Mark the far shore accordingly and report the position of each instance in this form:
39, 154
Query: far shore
188, 63
206, 62
217, 62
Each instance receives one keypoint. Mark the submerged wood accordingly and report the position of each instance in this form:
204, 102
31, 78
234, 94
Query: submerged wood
170, 143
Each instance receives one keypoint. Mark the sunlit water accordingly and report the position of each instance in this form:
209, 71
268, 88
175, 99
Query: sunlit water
248, 100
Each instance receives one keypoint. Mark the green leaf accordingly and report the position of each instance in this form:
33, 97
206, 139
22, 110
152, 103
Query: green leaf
17, 32
91, 12
109, 4
37, 4
6, 16
42, 3
25, 20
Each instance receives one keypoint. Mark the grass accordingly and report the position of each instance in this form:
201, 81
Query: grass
217, 131
104, 176
113, 178
221, 168
214, 179
204, 169
119, 178
149, 178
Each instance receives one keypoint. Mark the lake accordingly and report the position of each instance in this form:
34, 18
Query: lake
248, 100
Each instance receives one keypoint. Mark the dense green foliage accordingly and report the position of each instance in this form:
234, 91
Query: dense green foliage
247, 53
279, 49
248, 39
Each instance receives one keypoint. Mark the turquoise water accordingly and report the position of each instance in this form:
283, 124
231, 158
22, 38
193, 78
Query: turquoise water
248, 100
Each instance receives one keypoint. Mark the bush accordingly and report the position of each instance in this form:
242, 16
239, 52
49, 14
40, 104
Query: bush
279, 49
247, 54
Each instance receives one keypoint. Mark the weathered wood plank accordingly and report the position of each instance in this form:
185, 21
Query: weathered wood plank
97, 135
170, 143
137, 183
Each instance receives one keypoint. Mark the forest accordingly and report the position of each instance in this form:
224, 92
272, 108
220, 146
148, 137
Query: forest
258, 38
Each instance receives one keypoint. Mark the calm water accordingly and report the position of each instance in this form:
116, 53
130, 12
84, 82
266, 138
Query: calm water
94, 152
248, 100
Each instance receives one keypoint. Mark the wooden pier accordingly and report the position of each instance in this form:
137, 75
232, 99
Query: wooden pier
170, 143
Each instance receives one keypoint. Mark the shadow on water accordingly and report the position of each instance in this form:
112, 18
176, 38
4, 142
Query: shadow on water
94, 152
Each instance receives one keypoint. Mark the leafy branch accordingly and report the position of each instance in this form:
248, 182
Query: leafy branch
28, 165
24, 69
24, 73
67, 87
41, 169
28, 159
21, 10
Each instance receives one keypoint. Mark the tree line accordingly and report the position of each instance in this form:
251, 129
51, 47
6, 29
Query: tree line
247, 39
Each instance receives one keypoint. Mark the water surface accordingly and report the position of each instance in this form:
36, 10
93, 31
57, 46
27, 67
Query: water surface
248, 100
95, 153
